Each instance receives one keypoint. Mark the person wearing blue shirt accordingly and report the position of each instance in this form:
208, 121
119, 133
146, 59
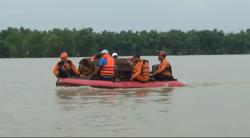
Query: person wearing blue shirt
100, 62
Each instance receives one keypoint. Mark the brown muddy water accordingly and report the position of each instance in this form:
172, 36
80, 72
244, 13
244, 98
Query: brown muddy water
216, 102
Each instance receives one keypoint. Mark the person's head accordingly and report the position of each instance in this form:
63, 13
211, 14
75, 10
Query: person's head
115, 55
136, 58
64, 56
103, 52
98, 56
161, 55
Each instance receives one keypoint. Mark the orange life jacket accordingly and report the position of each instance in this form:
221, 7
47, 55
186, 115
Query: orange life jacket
145, 70
168, 70
109, 68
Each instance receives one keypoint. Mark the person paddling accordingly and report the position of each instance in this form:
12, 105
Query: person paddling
140, 69
164, 71
65, 68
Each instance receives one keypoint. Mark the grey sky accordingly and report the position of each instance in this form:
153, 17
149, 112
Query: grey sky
117, 15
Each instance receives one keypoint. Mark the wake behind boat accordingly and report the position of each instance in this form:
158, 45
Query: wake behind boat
113, 84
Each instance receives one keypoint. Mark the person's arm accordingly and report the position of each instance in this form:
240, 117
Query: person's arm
161, 69
130, 62
97, 69
55, 71
75, 69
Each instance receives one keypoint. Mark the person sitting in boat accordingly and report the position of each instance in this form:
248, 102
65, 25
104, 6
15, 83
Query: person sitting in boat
140, 69
164, 70
105, 68
65, 68
115, 56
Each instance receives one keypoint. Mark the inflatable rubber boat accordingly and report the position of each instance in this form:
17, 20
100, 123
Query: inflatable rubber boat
120, 84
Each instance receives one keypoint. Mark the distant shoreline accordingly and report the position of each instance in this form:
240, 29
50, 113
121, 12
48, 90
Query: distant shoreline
127, 56
26, 43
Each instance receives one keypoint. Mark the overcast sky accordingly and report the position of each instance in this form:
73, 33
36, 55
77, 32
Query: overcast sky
117, 15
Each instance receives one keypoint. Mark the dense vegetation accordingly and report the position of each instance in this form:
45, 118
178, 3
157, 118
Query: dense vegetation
23, 42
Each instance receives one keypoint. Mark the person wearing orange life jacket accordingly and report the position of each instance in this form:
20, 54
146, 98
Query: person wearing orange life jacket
164, 71
115, 56
105, 67
65, 68
140, 69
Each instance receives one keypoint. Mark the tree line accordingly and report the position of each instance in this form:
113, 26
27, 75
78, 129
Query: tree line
22, 42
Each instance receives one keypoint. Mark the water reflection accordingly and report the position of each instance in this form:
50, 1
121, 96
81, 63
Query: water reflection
71, 98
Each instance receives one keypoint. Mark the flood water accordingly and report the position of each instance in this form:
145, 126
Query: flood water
216, 102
